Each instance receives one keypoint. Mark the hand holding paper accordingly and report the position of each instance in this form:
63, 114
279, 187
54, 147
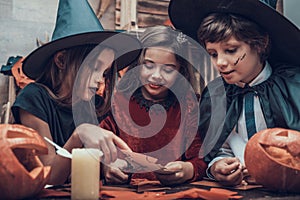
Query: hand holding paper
175, 173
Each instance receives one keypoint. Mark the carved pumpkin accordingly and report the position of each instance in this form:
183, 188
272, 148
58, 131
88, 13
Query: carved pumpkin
22, 174
272, 157
21, 79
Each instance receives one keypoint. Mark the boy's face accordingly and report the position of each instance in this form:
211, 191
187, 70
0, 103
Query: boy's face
158, 73
235, 60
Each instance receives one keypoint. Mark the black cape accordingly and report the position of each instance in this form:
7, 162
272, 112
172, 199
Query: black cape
279, 98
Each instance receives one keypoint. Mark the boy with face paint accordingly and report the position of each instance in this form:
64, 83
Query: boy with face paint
255, 49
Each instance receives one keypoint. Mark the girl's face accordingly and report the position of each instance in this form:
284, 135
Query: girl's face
235, 60
158, 73
96, 82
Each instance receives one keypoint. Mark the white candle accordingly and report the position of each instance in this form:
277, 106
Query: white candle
85, 173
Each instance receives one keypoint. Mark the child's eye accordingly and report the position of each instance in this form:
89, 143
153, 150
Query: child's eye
149, 65
168, 69
96, 67
214, 55
231, 51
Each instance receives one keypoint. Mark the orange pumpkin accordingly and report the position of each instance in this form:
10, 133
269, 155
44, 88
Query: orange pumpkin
272, 157
22, 174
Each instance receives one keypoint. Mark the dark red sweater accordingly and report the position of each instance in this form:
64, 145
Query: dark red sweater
167, 135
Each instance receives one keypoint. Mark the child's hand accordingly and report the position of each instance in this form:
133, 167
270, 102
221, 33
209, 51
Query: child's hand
247, 178
92, 136
228, 171
175, 173
113, 173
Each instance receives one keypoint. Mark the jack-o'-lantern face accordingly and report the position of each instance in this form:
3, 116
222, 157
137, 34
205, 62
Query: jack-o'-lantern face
22, 174
272, 157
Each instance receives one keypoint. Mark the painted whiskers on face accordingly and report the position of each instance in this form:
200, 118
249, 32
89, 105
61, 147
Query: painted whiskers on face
240, 59
235, 60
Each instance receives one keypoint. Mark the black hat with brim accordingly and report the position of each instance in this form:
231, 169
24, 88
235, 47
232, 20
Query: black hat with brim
76, 25
126, 47
187, 15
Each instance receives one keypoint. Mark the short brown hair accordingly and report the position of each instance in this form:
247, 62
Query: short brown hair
218, 27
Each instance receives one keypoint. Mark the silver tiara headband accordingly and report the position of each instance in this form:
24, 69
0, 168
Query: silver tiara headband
181, 38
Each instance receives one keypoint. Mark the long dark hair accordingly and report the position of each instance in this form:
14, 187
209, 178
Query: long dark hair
53, 77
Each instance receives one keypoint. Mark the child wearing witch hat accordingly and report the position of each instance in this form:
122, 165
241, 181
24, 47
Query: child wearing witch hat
256, 51
81, 58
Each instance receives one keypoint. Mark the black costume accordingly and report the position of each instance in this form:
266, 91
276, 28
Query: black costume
279, 98
36, 100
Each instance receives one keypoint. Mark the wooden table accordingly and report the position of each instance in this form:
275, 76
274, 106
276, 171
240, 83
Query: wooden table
256, 193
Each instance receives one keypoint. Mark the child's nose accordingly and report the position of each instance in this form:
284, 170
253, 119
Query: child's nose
101, 88
221, 61
156, 74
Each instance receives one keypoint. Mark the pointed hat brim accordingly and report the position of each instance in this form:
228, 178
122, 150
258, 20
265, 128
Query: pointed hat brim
126, 47
187, 15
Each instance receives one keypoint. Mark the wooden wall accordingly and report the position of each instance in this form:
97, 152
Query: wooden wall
149, 12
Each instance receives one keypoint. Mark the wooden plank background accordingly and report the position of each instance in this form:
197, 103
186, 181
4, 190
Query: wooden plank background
149, 13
